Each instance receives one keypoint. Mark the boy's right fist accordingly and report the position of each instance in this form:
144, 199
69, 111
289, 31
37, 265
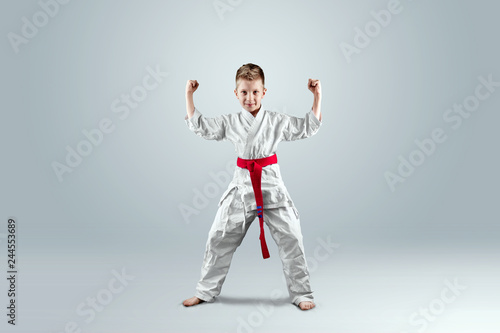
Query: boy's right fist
191, 86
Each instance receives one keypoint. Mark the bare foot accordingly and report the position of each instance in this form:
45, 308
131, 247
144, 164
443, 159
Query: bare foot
192, 301
306, 305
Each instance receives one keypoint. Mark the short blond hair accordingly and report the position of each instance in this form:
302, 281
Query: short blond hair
249, 72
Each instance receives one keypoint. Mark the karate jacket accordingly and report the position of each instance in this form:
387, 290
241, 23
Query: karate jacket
255, 137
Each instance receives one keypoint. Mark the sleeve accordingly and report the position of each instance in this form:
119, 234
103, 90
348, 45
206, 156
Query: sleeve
296, 128
207, 128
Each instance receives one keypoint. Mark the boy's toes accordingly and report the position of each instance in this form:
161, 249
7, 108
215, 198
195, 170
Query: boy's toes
306, 305
192, 301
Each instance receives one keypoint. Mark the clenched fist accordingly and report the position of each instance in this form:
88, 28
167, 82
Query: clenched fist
191, 86
315, 87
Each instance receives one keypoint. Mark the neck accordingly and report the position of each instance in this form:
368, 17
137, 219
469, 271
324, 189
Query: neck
254, 113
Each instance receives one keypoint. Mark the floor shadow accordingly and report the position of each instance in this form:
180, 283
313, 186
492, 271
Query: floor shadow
283, 301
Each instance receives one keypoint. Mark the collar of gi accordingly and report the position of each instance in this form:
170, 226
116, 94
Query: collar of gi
250, 117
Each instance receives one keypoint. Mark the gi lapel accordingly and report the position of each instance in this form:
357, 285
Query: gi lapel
256, 121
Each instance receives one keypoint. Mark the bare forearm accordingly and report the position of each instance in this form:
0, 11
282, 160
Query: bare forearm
316, 108
315, 87
189, 105
191, 87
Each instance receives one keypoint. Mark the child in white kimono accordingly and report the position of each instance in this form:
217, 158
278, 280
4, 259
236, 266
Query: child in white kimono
255, 133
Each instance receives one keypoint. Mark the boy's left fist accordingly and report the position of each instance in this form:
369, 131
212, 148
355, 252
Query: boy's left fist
315, 87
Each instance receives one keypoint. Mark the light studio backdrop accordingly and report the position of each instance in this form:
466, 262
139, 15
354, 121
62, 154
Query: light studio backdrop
111, 197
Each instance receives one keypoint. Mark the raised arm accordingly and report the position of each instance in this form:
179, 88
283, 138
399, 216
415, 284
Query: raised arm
191, 87
296, 128
207, 128
315, 87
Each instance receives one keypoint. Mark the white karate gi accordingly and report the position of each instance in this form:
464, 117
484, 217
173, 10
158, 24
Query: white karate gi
254, 137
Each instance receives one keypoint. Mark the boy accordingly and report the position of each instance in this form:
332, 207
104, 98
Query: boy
257, 189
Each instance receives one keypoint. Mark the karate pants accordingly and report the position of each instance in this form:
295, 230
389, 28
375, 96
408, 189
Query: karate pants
226, 234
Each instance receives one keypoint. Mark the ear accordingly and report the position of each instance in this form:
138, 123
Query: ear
264, 92
236, 93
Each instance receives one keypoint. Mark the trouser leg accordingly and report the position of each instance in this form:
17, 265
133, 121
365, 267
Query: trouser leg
284, 225
226, 234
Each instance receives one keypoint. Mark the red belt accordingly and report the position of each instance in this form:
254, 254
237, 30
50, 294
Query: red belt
255, 168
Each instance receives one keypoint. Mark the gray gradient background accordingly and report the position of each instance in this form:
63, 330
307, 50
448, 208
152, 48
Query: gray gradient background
120, 207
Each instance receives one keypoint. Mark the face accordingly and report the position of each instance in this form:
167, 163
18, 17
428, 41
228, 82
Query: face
249, 93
